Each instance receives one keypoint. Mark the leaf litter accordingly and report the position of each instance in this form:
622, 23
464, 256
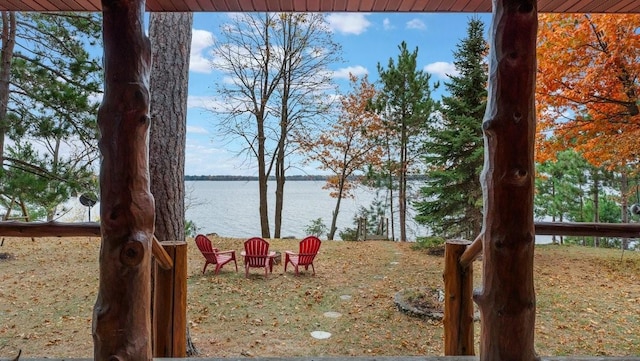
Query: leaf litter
588, 301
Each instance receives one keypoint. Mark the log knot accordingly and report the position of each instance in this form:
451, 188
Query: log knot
517, 117
132, 253
517, 176
526, 6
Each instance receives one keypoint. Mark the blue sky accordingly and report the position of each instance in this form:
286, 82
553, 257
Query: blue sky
366, 39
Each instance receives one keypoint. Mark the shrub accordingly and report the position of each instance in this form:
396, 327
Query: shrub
190, 228
427, 242
316, 228
349, 234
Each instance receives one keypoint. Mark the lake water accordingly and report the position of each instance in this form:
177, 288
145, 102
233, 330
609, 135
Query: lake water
230, 208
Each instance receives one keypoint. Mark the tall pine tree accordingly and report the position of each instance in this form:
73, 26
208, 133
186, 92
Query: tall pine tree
49, 83
452, 194
405, 104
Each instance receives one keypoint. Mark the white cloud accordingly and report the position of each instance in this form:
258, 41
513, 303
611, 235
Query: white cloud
441, 69
357, 70
386, 24
196, 130
416, 24
206, 158
201, 40
348, 23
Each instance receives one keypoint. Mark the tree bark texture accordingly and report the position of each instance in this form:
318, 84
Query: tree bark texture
171, 39
171, 43
507, 299
8, 42
122, 315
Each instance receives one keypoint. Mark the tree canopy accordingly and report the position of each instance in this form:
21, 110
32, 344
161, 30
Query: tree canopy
454, 152
51, 83
587, 86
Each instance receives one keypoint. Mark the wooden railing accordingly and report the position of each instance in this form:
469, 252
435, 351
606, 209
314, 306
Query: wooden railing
84, 229
458, 276
170, 284
458, 273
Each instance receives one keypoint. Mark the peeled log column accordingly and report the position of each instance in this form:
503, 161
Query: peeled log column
507, 300
121, 316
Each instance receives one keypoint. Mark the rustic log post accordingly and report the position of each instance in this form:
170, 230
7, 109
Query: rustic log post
170, 303
507, 301
458, 306
122, 312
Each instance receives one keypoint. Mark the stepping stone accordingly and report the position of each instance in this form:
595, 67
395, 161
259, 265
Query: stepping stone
394, 262
378, 277
332, 314
345, 297
320, 335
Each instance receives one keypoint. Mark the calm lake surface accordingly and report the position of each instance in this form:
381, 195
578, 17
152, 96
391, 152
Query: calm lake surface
230, 208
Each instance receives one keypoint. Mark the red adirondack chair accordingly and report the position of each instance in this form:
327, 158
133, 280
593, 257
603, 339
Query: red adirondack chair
256, 255
308, 250
214, 256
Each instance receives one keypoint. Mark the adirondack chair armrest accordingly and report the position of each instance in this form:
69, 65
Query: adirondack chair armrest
226, 252
290, 253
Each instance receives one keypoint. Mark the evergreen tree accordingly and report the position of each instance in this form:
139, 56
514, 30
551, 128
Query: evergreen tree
452, 195
405, 105
50, 81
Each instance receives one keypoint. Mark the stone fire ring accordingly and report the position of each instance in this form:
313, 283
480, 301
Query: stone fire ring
433, 313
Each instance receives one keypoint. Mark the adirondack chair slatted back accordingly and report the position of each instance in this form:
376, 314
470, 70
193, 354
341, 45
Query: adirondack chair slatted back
213, 255
205, 247
256, 251
308, 250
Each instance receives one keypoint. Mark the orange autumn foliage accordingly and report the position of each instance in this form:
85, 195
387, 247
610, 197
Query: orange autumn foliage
587, 87
351, 143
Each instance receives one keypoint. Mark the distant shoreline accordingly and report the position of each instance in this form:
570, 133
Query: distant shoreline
272, 178
251, 178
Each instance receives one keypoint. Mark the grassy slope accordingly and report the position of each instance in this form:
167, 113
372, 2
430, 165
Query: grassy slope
588, 301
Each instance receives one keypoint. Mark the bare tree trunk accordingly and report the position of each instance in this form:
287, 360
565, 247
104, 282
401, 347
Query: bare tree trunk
8, 42
402, 184
507, 301
596, 203
336, 210
280, 160
391, 208
624, 190
280, 180
171, 38
263, 178
122, 315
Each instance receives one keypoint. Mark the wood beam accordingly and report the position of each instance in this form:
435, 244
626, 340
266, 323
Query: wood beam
458, 307
507, 298
122, 312
170, 304
630, 230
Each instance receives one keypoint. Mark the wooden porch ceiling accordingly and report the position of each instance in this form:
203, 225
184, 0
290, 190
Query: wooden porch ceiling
566, 6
